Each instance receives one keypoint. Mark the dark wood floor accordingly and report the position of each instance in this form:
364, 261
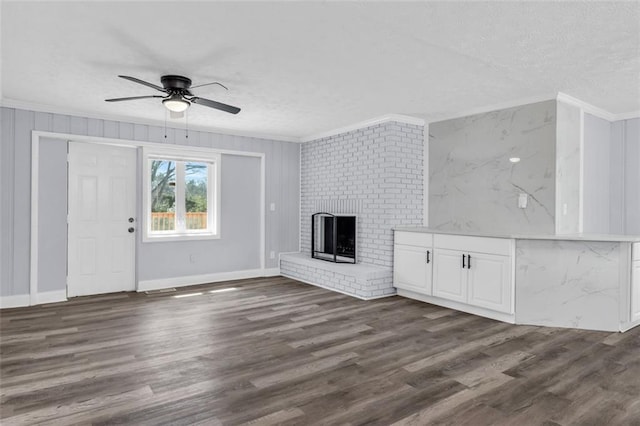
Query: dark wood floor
275, 351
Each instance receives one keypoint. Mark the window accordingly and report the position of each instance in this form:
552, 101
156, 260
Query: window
182, 195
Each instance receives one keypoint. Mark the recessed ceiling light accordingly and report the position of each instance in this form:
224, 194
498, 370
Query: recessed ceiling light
514, 159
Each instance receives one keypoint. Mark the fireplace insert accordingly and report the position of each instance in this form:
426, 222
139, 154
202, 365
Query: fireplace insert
333, 237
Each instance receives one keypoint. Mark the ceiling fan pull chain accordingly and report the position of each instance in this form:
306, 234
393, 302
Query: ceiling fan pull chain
186, 118
165, 123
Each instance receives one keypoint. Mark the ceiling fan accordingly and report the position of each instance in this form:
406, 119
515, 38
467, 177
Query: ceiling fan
178, 96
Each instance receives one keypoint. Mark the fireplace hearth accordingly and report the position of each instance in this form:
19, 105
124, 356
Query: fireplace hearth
333, 237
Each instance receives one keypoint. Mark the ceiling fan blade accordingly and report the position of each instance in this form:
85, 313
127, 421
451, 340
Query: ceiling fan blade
131, 98
214, 104
209, 84
137, 80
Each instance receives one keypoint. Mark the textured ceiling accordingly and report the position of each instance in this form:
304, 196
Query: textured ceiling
301, 68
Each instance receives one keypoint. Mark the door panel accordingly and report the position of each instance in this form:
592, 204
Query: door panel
449, 279
490, 282
102, 182
411, 270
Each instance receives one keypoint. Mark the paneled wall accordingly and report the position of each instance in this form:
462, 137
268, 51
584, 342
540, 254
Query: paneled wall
282, 189
375, 172
472, 184
597, 175
625, 177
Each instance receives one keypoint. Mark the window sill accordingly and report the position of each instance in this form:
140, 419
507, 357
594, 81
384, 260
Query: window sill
179, 237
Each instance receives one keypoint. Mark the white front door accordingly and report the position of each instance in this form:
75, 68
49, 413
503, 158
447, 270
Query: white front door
102, 201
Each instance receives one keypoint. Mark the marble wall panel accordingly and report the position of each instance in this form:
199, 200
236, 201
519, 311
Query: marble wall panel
472, 184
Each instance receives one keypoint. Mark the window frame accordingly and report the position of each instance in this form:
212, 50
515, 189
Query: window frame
181, 157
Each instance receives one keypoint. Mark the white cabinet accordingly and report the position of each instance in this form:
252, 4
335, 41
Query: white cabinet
478, 279
490, 281
449, 278
413, 257
474, 272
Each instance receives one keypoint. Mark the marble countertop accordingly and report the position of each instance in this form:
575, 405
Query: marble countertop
568, 237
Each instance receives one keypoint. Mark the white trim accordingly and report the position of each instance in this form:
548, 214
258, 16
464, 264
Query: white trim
13, 103
15, 301
367, 123
184, 281
51, 297
35, 176
458, 306
271, 272
338, 290
213, 161
627, 115
586, 107
299, 202
581, 175
36, 135
560, 96
263, 211
425, 178
433, 118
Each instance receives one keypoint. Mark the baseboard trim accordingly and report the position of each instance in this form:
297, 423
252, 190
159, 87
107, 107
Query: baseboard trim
487, 313
337, 290
51, 297
17, 301
188, 280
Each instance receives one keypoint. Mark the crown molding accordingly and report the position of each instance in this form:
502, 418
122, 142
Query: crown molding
13, 103
586, 107
406, 119
434, 118
594, 110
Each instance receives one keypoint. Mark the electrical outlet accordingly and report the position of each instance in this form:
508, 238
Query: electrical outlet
272, 254
523, 198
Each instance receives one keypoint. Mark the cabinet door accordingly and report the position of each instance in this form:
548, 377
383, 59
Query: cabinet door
490, 284
411, 270
449, 279
635, 291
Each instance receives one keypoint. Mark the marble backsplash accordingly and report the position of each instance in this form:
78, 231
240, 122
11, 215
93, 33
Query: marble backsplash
472, 184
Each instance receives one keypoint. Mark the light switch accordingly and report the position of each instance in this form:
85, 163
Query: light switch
523, 198
272, 207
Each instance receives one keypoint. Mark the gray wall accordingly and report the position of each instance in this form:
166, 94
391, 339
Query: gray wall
472, 184
625, 177
375, 172
52, 215
237, 250
282, 188
611, 176
597, 175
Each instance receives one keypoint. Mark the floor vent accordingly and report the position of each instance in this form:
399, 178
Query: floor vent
162, 290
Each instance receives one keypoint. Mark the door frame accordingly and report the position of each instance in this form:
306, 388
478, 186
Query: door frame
37, 135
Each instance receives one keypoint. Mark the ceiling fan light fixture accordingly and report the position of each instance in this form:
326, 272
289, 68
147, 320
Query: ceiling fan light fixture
176, 103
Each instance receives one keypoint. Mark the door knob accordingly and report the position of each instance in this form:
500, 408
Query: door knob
131, 230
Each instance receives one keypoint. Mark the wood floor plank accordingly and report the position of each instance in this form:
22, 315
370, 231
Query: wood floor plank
276, 351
